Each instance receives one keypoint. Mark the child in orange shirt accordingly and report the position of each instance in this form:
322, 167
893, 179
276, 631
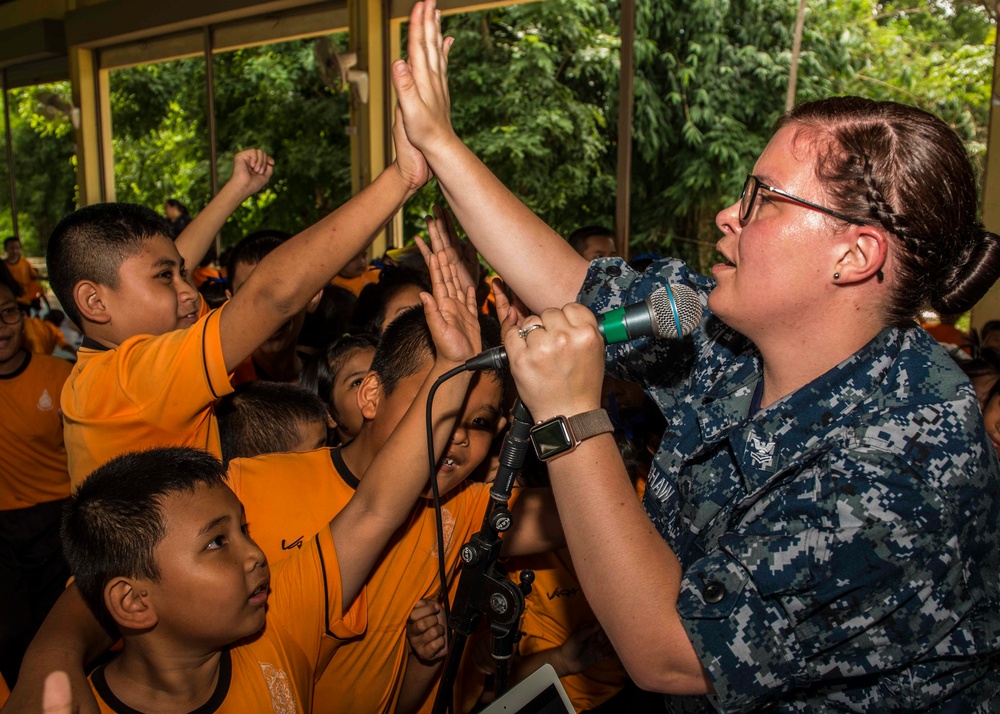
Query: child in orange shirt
34, 486
25, 274
202, 585
269, 417
142, 378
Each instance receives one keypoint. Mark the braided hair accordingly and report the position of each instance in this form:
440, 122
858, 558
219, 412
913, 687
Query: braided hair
905, 170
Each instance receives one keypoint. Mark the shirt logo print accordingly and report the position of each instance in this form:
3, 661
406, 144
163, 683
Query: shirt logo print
282, 700
45, 402
762, 452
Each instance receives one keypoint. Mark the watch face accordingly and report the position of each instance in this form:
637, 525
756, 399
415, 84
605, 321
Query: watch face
551, 438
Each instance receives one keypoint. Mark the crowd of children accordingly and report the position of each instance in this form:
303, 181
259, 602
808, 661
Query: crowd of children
249, 440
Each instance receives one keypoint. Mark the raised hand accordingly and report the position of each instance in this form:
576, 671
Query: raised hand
444, 237
426, 631
422, 83
252, 169
452, 315
410, 163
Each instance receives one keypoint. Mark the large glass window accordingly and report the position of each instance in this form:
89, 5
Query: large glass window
44, 163
160, 133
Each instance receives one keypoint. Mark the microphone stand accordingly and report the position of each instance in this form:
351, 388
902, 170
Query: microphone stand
483, 589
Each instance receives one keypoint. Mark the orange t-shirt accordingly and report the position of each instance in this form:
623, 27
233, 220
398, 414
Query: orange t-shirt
554, 610
365, 674
149, 391
27, 277
357, 284
42, 337
33, 457
274, 670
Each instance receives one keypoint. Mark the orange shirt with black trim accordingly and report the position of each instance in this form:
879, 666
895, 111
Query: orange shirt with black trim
365, 674
357, 283
27, 277
149, 391
42, 337
33, 456
274, 670
554, 610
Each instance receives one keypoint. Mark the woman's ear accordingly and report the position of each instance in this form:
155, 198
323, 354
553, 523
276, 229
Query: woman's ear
863, 255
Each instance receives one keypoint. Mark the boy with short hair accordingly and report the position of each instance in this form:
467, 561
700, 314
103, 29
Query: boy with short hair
268, 417
141, 378
184, 581
368, 673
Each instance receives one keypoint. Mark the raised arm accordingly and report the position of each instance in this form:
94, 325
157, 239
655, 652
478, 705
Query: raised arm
631, 577
399, 473
252, 169
541, 267
285, 281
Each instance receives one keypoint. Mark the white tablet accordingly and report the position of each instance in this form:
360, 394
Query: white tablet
539, 693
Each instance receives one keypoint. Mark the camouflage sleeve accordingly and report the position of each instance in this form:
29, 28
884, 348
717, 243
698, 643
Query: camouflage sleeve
849, 566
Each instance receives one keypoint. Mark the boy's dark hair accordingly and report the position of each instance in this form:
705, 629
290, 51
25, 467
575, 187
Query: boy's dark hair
369, 311
264, 418
406, 346
113, 521
174, 203
10, 239
578, 238
252, 249
330, 320
93, 242
320, 371
214, 292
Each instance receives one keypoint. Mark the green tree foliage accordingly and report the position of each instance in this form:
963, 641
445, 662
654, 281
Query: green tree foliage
535, 94
45, 164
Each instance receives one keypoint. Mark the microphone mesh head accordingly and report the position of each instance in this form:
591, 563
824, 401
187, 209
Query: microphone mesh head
688, 311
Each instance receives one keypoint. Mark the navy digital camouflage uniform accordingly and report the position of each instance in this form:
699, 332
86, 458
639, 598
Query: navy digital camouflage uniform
840, 548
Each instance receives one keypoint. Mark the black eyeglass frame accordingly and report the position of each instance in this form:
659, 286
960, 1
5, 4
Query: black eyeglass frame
16, 310
758, 184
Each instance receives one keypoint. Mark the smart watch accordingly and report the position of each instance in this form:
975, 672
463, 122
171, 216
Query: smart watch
560, 435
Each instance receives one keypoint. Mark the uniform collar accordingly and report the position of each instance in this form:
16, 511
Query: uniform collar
786, 431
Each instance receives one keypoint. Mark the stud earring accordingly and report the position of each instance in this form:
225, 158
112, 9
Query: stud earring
836, 276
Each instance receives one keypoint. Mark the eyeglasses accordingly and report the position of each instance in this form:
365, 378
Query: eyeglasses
753, 184
11, 315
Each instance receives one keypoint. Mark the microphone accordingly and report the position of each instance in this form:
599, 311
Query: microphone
671, 311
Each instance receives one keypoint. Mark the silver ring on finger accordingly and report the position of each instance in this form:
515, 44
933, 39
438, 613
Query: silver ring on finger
523, 332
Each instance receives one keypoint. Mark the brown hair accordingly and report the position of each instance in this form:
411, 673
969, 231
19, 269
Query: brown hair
905, 170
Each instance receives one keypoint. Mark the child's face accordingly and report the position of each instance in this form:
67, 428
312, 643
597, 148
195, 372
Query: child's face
214, 579
479, 421
407, 296
344, 397
153, 296
13, 251
598, 247
10, 335
991, 417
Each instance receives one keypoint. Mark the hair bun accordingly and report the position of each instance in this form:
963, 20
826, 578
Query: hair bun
965, 285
